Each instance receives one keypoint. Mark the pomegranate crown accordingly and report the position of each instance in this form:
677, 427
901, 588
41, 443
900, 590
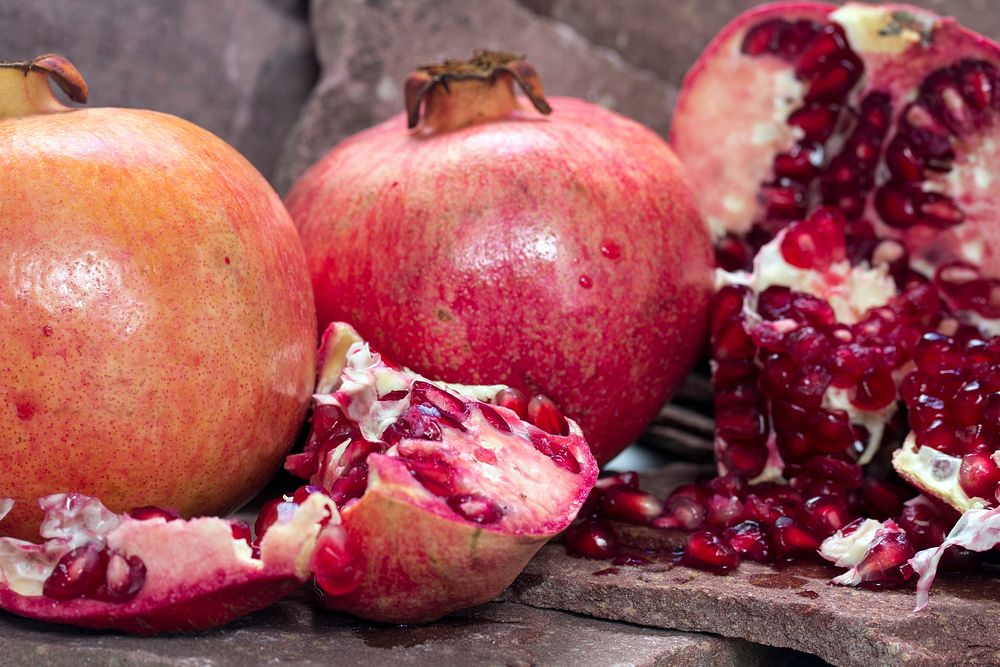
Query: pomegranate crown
484, 66
59, 69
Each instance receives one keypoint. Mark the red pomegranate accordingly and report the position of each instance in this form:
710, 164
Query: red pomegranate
155, 308
559, 254
887, 112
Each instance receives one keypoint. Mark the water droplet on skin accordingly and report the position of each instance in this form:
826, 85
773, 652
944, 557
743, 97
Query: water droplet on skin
585, 282
611, 250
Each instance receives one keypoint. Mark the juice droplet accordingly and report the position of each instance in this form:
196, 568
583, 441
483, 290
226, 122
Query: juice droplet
46, 330
227, 260
611, 250
585, 282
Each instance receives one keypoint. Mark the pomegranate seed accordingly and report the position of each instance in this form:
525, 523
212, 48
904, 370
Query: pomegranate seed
745, 459
979, 475
886, 560
514, 400
895, 206
325, 418
708, 551
125, 578
352, 484
726, 305
555, 450
786, 202
444, 401
834, 81
789, 539
150, 512
476, 508
810, 386
728, 485
831, 431
335, 567
764, 510
696, 492
843, 473
876, 389
724, 511
591, 539
749, 540
826, 47
304, 492
815, 242
241, 531
494, 418
744, 423
817, 121
733, 373
273, 511
434, 475
628, 479
396, 395
544, 414
880, 500
764, 38
825, 515
626, 504
78, 574
923, 526
687, 512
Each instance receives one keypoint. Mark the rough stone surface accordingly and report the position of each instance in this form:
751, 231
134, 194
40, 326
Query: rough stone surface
366, 50
240, 68
291, 631
794, 607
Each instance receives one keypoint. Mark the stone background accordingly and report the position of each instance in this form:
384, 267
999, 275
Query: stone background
283, 80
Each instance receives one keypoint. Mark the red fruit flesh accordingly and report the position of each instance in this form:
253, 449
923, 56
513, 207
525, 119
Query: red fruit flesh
887, 113
158, 349
443, 497
147, 576
477, 232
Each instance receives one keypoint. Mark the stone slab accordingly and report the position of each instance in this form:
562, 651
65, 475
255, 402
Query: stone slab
794, 607
294, 632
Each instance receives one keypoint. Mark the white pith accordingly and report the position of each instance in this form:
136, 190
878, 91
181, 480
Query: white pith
848, 550
525, 483
934, 472
72, 521
873, 30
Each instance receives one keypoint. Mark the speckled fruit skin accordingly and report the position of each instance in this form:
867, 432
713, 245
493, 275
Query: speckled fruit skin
561, 254
156, 316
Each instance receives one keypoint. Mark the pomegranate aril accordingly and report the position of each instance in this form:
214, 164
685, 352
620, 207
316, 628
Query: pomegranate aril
749, 539
78, 574
829, 45
786, 202
886, 560
241, 531
514, 400
494, 418
817, 122
765, 38
397, 395
688, 513
591, 539
476, 508
809, 387
845, 474
124, 578
801, 163
825, 515
876, 389
629, 505
352, 484
304, 492
732, 373
831, 431
446, 402
732, 342
924, 527
724, 511
151, 512
336, 569
543, 413
435, 475
833, 81
555, 450
746, 459
741, 422
979, 475
273, 511
880, 500
903, 161
628, 479
896, 207
791, 539
708, 551
728, 485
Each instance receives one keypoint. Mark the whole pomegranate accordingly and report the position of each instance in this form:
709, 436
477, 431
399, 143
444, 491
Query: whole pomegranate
155, 308
560, 255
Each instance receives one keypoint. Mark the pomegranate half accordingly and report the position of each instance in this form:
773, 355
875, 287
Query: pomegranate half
155, 308
559, 254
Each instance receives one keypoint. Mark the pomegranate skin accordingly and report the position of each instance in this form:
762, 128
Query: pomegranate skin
560, 255
155, 311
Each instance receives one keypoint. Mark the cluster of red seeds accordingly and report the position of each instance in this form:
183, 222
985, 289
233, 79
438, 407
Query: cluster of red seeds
953, 398
431, 409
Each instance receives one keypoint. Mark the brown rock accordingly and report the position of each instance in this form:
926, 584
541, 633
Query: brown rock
366, 50
292, 631
240, 68
794, 607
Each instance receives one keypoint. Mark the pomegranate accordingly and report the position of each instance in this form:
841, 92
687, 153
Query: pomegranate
443, 496
558, 254
157, 322
156, 574
886, 112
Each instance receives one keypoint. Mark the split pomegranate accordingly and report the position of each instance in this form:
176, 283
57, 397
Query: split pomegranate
443, 496
560, 254
888, 113
154, 573
157, 322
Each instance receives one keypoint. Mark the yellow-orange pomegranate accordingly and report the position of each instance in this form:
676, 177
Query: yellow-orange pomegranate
156, 316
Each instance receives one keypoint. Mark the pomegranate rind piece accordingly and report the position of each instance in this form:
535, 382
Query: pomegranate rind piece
934, 474
197, 575
847, 550
976, 530
416, 558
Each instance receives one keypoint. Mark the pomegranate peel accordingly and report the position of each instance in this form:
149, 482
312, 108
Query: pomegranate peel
443, 498
539, 282
185, 575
